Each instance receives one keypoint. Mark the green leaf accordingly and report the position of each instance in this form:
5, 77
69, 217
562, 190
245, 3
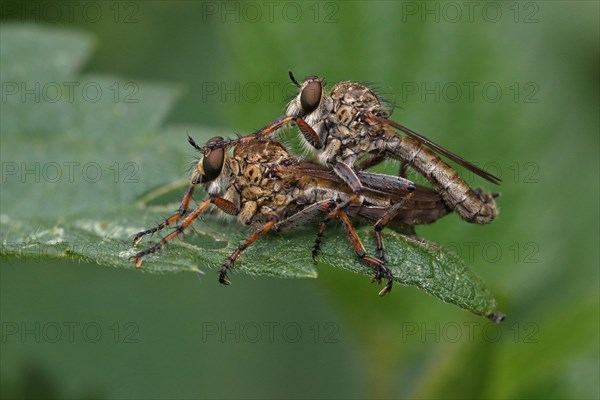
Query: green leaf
78, 174
107, 241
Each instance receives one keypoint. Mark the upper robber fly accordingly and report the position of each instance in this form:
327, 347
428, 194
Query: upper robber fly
350, 123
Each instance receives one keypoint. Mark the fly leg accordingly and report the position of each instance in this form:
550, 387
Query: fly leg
313, 210
338, 212
309, 133
241, 247
360, 252
334, 211
385, 219
350, 178
220, 202
185, 202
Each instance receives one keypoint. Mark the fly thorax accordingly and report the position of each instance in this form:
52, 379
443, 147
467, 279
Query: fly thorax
343, 133
253, 193
247, 212
345, 114
233, 165
253, 174
357, 96
281, 200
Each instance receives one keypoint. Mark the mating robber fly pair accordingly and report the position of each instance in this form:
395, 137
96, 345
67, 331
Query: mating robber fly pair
266, 187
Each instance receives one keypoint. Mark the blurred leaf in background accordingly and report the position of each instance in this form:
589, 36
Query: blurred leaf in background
540, 134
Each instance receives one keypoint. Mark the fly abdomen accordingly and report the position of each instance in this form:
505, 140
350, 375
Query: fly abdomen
472, 207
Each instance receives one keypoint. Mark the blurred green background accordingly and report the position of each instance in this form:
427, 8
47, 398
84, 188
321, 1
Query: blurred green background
182, 336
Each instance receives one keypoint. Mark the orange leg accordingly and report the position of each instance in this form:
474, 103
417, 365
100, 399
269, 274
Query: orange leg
331, 216
359, 249
223, 204
389, 215
241, 247
361, 253
309, 134
172, 219
297, 219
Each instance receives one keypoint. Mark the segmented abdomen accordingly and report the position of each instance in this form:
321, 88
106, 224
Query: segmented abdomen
471, 206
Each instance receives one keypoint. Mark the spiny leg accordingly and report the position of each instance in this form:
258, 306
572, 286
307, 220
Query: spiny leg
313, 210
332, 215
393, 211
361, 253
241, 247
346, 173
137, 259
185, 202
309, 134
385, 219
223, 204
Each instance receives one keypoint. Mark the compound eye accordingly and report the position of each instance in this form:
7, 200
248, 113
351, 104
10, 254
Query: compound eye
311, 96
212, 162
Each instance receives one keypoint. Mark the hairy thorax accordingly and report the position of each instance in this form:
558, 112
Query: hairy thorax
253, 186
348, 136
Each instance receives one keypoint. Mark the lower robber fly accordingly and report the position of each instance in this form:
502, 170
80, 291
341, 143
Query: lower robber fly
267, 188
351, 122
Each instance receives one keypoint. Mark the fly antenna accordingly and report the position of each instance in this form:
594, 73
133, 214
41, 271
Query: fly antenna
293, 78
193, 143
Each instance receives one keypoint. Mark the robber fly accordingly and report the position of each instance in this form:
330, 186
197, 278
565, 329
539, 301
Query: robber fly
268, 189
351, 122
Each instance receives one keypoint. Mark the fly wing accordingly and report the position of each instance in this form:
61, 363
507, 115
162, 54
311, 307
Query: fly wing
393, 185
426, 205
454, 157
411, 215
373, 184
328, 178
